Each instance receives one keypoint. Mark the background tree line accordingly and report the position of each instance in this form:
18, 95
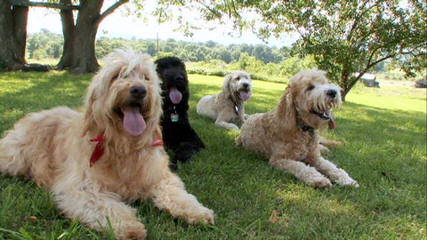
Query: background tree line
46, 44
211, 58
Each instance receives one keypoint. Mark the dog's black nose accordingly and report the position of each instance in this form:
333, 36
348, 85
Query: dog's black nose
138, 91
245, 85
179, 78
331, 93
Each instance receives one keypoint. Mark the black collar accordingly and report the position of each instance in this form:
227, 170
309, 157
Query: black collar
304, 127
235, 106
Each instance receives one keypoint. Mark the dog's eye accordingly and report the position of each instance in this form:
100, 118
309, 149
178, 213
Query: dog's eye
145, 77
309, 88
114, 78
237, 78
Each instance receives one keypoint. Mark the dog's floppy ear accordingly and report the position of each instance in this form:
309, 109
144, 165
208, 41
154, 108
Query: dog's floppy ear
227, 80
88, 119
286, 109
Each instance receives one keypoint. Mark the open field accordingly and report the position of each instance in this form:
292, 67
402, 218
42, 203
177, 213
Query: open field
384, 131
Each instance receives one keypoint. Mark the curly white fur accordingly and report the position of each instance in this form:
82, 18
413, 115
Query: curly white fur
227, 105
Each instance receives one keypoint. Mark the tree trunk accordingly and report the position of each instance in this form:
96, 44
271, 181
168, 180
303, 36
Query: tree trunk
344, 94
20, 18
13, 34
68, 31
83, 43
84, 60
344, 84
79, 38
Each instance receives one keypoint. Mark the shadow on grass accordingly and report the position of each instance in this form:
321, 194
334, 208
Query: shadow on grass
385, 151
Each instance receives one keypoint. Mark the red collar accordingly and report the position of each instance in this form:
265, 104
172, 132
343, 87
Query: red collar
99, 148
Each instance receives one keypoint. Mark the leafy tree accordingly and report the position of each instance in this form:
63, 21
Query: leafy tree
293, 65
79, 36
44, 45
347, 38
151, 49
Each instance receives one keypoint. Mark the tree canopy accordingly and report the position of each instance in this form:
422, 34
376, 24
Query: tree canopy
347, 38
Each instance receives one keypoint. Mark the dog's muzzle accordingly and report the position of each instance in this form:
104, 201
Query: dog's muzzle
138, 92
332, 93
245, 91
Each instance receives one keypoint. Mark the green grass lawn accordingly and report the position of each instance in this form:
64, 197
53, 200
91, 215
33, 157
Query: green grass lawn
385, 150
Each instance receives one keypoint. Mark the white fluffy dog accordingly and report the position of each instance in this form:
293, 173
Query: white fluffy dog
228, 105
95, 162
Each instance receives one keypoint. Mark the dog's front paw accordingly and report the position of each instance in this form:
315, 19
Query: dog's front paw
233, 127
183, 156
203, 215
320, 182
134, 231
347, 181
323, 149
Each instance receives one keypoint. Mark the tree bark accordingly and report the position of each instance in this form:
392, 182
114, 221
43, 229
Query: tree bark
68, 31
13, 33
345, 75
20, 17
84, 60
79, 38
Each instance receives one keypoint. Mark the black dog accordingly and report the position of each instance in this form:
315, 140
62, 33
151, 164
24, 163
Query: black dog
178, 135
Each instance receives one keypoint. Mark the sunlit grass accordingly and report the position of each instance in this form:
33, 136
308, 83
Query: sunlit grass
385, 150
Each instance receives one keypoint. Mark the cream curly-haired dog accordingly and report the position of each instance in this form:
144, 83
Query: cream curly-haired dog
288, 135
111, 154
228, 105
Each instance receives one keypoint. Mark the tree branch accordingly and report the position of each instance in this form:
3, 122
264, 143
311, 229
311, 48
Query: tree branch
356, 22
214, 12
110, 10
380, 60
21, 3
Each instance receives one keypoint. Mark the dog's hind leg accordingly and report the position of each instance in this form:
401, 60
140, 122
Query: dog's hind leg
80, 199
170, 195
337, 175
300, 170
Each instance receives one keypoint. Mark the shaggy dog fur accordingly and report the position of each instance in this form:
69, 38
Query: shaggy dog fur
228, 104
54, 147
288, 135
178, 134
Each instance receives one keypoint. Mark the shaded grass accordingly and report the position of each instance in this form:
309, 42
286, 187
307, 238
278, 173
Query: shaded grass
385, 151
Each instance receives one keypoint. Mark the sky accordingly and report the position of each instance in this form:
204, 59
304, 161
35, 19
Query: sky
119, 25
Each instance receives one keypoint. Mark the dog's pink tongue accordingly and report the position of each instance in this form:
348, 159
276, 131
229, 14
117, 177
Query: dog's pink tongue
175, 95
245, 95
133, 121
332, 123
